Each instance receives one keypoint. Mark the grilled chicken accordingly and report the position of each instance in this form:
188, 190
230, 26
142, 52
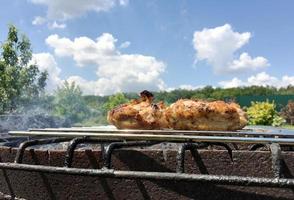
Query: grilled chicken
186, 114
140, 113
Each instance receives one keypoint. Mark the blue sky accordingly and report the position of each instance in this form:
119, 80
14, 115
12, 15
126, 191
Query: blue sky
109, 46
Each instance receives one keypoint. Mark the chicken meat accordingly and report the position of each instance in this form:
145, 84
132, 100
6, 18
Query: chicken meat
140, 113
186, 114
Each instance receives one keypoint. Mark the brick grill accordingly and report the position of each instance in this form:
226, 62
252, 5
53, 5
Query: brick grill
183, 182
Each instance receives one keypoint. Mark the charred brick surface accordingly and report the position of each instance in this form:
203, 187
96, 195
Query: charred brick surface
36, 185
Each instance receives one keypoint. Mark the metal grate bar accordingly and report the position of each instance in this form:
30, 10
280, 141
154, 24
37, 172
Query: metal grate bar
24, 145
74, 143
159, 137
193, 147
117, 145
181, 154
109, 173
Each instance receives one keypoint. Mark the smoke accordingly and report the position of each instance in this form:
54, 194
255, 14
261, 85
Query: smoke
33, 115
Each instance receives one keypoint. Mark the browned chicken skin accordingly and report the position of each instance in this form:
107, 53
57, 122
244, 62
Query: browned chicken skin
185, 114
139, 114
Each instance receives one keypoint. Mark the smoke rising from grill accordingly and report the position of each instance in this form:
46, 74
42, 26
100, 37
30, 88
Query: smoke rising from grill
30, 116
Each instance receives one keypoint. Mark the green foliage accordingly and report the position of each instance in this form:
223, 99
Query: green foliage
69, 103
113, 101
263, 113
95, 104
243, 95
278, 121
19, 79
171, 97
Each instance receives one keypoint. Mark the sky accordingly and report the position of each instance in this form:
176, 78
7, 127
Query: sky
109, 46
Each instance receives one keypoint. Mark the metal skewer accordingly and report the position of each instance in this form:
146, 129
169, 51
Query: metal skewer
256, 132
158, 137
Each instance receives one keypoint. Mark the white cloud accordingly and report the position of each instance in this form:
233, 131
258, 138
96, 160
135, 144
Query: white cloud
218, 47
116, 72
125, 45
288, 79
88, 87
263, 79
68, 9
56, 25
38, 20
260, 79
123, 2
46, 61
185, 87
235, 82
245, 61
51, 25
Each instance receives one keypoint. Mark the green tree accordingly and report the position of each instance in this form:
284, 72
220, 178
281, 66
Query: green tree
113, 101
70, 104
19, 79
264, 113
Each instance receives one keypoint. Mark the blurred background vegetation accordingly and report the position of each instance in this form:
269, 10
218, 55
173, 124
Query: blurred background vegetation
22, 95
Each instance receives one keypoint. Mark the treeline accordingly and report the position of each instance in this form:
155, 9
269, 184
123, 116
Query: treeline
208, 93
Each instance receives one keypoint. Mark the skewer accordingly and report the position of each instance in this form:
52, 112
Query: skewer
256, 132
158, 137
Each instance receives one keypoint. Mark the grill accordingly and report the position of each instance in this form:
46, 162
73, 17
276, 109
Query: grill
148, 164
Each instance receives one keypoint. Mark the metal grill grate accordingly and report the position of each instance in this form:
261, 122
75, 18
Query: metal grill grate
111, 140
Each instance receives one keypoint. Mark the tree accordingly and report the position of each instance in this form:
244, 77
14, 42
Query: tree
19, 79
113, 101
264, 113
69, 103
